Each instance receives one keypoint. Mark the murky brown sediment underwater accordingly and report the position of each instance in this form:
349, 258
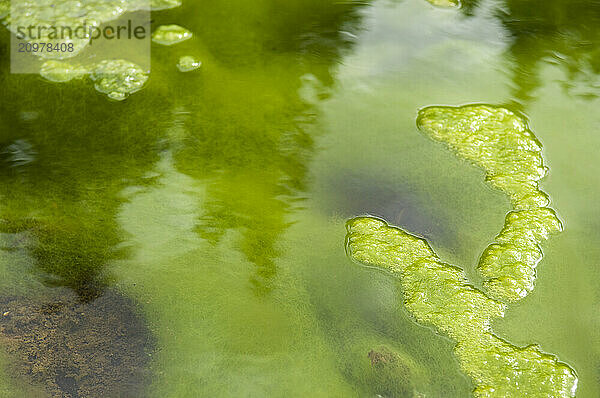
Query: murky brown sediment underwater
180, 232
69, 348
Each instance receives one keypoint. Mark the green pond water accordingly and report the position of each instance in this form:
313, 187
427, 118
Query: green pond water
189, 240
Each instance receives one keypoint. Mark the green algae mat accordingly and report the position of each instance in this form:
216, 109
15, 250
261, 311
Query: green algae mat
309, 198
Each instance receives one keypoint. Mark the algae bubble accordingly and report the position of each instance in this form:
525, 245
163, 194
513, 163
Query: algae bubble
168, 35
500, 142
188, 63
439, 294
116, 78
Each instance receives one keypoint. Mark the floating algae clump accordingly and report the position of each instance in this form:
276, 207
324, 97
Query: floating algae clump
116, 78
496, 140
188, 64
170, 34
439, 295
500, 142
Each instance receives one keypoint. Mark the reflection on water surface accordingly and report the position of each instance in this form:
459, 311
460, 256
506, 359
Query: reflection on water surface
215, 200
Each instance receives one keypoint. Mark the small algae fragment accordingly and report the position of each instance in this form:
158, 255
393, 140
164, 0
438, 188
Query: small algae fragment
118, 78
445, 3
61, 72
170, 34
500, 142
4, 8
188, 63
439, 295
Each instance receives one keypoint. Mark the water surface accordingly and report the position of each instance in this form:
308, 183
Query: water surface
213, 202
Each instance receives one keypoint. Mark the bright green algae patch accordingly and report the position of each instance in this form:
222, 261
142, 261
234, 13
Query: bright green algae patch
438, 294
509, 264
500, 142
435, 292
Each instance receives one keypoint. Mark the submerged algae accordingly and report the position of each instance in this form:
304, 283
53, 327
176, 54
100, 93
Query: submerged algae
390, 375
75, 349
438, 294
499, 141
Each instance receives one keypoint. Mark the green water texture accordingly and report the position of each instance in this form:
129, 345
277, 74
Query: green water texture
217, 199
